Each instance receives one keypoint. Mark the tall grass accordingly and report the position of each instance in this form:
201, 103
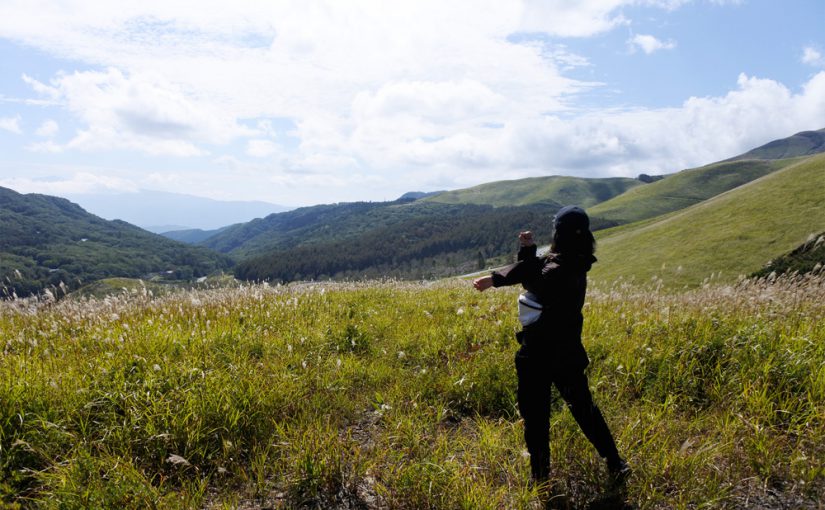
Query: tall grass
398, 395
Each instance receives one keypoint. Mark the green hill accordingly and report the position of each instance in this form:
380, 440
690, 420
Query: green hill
306, 225
47, 240
408, 240
729, 235
553, 190
805, 143
191, 235
688, 187
683, 189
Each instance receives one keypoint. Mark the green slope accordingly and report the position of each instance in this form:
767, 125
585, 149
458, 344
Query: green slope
553, 190
807, 258
801, 144
732, 234
47, 240
683, 189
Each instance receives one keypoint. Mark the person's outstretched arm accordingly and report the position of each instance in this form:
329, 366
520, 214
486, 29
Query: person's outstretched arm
513, 274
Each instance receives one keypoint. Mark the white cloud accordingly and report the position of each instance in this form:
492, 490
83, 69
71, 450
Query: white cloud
78, 182
138, 112
46, 146
572, 19
388, 94
649, 44
11, 124
607, 143
48, 129
812, 57
702, 130
584, 18
261, 148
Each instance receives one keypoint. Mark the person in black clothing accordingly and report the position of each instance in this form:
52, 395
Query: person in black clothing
551, 352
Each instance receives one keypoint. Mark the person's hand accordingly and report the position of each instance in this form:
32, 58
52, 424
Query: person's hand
483, 283
526, 239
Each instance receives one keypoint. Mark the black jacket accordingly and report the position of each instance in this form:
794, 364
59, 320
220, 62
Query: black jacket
560, 282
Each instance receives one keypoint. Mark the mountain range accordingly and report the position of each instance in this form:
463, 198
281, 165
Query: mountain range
159, 211
50, 241
727, 219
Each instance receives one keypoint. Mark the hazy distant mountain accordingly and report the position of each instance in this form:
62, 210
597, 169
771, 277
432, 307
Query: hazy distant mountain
191, 236
159, 211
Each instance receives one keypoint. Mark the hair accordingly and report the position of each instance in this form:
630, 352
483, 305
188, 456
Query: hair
573, 242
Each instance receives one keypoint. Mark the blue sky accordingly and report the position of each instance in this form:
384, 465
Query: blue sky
299, 103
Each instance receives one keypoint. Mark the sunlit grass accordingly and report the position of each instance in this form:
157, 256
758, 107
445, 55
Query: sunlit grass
399, 395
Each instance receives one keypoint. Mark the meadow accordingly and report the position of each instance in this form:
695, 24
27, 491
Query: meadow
402, 395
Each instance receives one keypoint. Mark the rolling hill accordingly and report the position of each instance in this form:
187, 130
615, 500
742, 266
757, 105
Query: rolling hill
552, 190
47, 240
688, 187
683, 189
191, 236
805, 143
403, 238
732, 234
419, 235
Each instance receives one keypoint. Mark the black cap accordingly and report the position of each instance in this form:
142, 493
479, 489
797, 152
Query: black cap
571, 217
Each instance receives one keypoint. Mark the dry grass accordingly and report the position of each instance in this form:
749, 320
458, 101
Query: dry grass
400, 395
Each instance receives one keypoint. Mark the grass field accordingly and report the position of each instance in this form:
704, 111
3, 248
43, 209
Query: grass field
393, 395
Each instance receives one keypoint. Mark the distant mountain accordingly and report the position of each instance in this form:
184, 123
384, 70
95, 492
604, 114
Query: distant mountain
192, 236
389, 239
403, 238
47, 240
553, 190
731, 234
805, 143
417, 195
152, 210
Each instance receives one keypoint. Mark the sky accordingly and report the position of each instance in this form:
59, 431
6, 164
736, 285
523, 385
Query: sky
306, 102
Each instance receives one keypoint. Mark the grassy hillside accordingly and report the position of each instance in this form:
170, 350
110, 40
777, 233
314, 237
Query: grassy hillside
47, 240
553, 190
307, 225
805, 143
732, 234
806, 258
683, 189
403, 396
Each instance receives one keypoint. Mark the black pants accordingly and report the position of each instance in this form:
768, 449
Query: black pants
535, 382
